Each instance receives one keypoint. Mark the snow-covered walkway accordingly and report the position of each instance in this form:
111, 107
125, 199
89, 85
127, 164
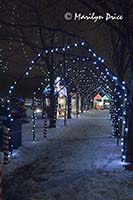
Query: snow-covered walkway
78, 162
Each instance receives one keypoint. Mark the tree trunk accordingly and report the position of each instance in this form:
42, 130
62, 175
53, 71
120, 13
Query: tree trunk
69, 107
82, 105
77, 105
129, 129
52, 99
56, 107
44, 106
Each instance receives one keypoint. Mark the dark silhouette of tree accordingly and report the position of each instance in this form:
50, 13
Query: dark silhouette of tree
122, 43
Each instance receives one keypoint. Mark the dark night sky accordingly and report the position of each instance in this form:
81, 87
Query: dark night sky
17, 54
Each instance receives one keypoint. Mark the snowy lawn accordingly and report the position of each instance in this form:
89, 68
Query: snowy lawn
80, 162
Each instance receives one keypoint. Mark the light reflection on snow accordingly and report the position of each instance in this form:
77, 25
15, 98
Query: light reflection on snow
124, 163
15, 153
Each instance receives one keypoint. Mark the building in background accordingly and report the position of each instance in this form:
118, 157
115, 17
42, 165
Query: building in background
100, 102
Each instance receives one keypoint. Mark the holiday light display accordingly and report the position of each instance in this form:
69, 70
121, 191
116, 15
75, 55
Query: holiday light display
97, 72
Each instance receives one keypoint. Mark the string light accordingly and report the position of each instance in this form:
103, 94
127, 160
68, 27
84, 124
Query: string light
106, 74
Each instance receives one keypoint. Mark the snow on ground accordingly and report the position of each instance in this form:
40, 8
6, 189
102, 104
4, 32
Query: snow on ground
80, 162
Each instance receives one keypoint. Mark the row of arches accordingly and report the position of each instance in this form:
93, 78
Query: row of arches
86, 74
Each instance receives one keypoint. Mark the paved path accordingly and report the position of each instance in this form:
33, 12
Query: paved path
79, 162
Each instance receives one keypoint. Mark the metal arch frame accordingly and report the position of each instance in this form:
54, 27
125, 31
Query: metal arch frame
118, 85
62, 49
